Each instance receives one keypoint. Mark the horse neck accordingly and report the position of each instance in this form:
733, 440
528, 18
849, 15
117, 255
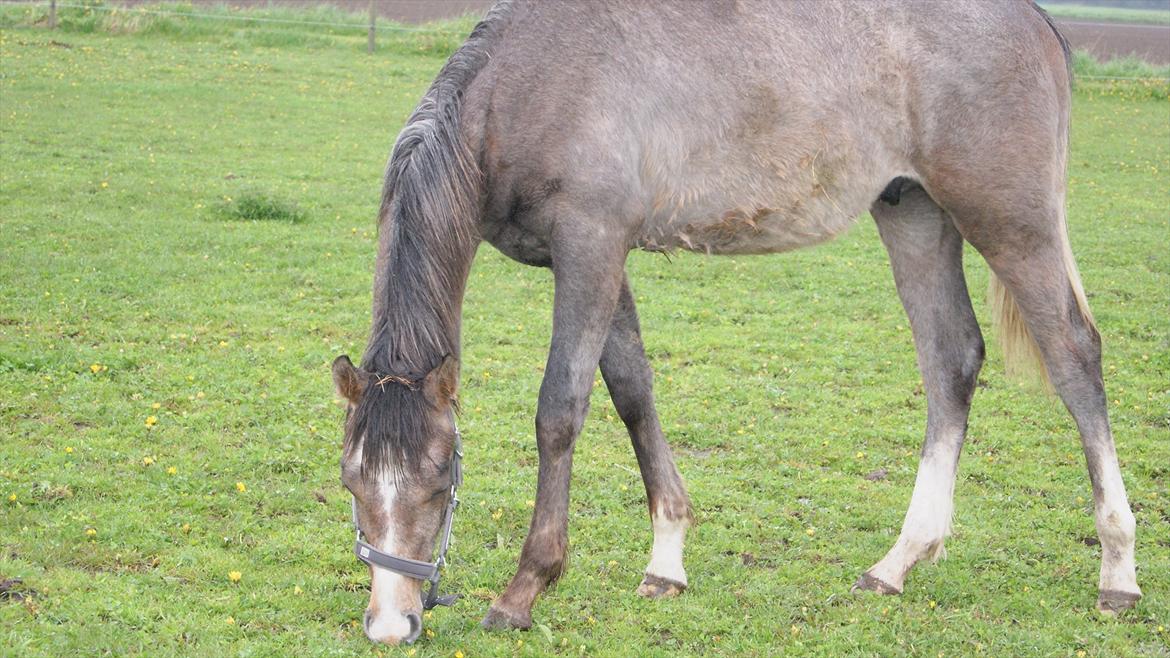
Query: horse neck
418, 300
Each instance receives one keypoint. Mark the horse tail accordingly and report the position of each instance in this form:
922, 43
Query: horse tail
1064, 44
1022, 355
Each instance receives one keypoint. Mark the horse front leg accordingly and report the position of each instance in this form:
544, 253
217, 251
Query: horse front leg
630, 381
588, 278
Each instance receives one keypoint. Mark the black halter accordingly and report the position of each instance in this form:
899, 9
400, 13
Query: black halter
428, 571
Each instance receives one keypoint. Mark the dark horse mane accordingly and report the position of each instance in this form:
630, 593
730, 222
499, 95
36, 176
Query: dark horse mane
427, 229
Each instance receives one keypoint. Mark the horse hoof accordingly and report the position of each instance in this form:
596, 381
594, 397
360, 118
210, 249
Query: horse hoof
1111, 602
873, 584
498, 619
657, 587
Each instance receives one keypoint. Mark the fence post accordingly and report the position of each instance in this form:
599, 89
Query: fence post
52, 14
370, 38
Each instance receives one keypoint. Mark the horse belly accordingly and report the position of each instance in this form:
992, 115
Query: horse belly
782, 216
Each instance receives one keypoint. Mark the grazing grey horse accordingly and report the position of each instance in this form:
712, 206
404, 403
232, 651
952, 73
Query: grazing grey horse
568, 133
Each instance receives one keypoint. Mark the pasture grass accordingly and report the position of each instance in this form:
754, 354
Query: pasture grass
1086, 64
1091, 12
168, 415
260, 206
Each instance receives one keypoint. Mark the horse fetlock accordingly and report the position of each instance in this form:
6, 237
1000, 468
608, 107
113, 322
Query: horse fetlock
888, 575
935, 551
666, 564
1116, 528
1118, 573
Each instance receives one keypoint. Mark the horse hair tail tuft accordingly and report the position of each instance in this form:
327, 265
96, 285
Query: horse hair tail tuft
1021, 353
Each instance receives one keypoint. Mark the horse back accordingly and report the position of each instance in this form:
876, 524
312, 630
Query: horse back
741, 127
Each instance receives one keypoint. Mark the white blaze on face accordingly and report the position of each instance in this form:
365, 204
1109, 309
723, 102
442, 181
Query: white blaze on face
666, 555
388, 621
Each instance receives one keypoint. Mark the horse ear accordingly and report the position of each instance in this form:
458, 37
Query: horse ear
348, 379
442, 383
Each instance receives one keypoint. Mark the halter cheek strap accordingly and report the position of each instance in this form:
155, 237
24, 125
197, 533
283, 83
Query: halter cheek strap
427, 571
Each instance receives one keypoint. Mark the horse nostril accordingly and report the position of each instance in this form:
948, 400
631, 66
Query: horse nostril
415, 627
366, 622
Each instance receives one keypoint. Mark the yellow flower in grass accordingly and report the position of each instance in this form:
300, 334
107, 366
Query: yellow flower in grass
230, 620
458, 654
235, 576
240, 487
155, 406
171, 470
147, 461
151, 421
90, 532
95, 368
12, 498
69, 450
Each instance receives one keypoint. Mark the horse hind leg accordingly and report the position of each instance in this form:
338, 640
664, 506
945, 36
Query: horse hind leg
630, 381
926, 253
1023, 237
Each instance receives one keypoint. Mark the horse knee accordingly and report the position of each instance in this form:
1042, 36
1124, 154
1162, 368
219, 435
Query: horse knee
546, 555
962, 371
1116, 528
557, 425
970, 362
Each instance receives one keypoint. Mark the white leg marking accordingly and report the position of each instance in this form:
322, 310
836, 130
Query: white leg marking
666, 555
927, 523
1116, 527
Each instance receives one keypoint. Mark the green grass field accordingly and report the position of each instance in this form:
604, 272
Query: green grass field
1092, 12
187, 240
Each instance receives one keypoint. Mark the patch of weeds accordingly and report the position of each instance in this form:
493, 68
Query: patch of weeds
258, 206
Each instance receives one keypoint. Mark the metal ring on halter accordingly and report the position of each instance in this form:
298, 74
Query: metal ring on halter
428, 571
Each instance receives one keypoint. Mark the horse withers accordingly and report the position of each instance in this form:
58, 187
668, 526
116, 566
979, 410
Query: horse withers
567, 134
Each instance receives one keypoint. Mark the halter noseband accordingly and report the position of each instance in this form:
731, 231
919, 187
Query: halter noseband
428, 571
